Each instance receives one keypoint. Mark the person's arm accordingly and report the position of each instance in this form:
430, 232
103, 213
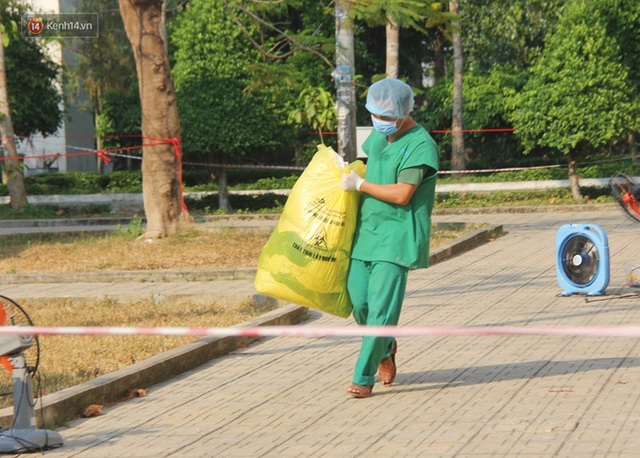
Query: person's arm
401, 192
398, 193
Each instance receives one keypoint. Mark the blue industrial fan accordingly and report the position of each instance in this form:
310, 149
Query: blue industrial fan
582, 259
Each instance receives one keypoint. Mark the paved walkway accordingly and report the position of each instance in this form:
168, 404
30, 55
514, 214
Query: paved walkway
482, 396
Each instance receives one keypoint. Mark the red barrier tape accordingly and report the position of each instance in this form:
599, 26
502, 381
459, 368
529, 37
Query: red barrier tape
103, 155
176, 143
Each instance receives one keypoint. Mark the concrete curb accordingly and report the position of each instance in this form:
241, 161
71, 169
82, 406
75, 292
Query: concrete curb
526, 209
465, 243
64, 222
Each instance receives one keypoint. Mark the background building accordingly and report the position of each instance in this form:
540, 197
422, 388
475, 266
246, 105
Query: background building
76, 134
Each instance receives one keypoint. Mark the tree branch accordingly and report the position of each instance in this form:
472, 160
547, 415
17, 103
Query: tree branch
269, 54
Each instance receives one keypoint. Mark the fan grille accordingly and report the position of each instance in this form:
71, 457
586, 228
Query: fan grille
15, 315
580, 259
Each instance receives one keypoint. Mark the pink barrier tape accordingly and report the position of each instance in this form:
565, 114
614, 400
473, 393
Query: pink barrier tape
347, 331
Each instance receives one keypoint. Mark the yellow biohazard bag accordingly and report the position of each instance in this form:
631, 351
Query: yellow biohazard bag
306, 259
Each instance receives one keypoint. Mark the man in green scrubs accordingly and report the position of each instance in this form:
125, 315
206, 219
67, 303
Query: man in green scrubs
394, 224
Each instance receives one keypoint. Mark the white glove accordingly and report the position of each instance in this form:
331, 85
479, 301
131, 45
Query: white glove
351, 181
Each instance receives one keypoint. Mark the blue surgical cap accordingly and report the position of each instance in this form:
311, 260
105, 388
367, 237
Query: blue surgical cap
390, 97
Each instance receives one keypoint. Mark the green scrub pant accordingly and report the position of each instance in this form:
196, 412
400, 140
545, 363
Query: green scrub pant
377, 292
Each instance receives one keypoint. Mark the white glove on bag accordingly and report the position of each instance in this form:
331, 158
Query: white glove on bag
351, 182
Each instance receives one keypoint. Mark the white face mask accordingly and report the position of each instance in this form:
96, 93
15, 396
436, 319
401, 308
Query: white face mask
384, 127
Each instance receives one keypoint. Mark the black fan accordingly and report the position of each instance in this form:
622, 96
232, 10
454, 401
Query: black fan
580, 260
20, 355
627, 194
12, 314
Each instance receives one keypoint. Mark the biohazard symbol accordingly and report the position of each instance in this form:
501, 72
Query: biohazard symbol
319, 240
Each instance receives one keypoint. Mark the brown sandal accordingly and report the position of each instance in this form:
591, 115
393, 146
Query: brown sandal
387, 369
360, 391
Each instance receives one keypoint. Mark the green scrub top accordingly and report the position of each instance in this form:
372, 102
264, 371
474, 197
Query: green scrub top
390, 232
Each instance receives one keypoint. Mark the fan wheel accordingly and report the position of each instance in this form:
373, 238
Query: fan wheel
12, 314
627, 194
580, 259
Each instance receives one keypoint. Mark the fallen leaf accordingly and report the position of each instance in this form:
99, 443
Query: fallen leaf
135, 393
92, 411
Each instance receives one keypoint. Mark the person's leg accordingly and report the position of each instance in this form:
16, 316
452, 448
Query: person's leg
357, 286
387, 285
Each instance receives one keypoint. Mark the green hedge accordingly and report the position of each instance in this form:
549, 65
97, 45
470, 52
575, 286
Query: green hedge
80, 183
556, 173
559, 196
124, 182
262, 203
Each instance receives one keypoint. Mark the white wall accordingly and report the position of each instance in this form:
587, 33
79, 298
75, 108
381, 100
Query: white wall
362, 132
44, 6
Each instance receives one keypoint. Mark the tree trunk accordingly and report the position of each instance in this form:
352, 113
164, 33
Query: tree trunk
223, 191
574, 184
97, 104
343, 75
160, 167
12, 168
99, 139
458, 161
393, 47
439, 69
633, 147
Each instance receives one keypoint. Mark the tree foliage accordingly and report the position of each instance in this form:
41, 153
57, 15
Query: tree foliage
511, 47
119, 125
407, 13
106, 63
506, 33
30, 72
316, 107
622, 21
242, 67
213, 61
579, 97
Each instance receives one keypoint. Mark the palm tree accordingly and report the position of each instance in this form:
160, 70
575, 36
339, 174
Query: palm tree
457, 144
344, 73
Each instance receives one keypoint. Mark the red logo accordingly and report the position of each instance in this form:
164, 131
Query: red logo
35, 25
